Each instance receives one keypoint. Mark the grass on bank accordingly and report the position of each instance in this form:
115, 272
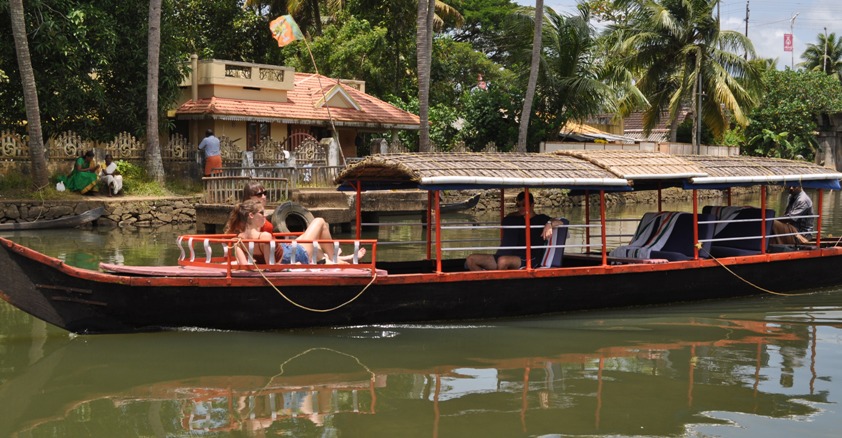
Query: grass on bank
135, 183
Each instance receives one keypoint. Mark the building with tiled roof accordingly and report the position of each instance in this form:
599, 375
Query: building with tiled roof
248, 102
633, 126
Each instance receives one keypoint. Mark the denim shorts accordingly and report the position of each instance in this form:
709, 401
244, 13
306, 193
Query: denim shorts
301, 255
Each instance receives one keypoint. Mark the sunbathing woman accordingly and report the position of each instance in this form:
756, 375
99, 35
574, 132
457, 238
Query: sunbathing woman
249, 216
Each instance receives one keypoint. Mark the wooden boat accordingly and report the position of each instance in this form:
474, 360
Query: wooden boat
461, 205
206, 291
62, 222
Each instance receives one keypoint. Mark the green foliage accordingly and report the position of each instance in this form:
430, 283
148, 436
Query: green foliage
484, 26
455, 69
488, 116
90, 63
442, 120
13, 181
684, 133
825, 55
734, 137
349, 48
672, 44
222, 29
791, 105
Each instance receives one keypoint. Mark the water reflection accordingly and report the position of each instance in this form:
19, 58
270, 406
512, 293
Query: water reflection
656, 372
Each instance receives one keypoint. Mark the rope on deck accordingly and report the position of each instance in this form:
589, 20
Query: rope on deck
290, 300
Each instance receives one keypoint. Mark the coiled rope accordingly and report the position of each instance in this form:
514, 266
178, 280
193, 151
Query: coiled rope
290, 300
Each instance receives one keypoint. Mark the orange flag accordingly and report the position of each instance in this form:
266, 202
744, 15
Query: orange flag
285, 30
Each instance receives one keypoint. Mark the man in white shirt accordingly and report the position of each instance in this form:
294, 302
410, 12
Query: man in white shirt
111, 176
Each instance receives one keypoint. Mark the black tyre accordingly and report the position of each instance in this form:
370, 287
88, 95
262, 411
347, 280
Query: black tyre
291, 217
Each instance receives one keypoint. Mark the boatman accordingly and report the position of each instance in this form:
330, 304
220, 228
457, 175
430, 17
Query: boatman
213, 157
795, 225
514, 236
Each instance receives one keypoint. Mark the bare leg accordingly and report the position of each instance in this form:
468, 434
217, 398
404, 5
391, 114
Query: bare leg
481, 262
317, 230
508, 262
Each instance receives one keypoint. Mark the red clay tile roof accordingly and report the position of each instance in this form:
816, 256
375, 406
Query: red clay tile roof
301, 108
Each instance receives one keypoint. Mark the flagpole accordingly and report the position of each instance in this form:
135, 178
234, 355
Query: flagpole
324, 96
286, 30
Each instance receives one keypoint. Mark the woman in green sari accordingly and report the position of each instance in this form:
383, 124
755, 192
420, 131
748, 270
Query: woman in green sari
83, 178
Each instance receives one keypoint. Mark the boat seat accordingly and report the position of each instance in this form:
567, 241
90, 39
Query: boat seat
666, 235
738, 230
555, 251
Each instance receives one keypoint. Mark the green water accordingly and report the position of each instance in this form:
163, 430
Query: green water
767, 366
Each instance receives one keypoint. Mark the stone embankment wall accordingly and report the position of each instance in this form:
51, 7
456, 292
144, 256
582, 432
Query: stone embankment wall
123, 211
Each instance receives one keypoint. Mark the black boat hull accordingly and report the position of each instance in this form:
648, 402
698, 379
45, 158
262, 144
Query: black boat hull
93, 302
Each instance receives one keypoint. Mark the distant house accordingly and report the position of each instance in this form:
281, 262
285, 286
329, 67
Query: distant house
249, 102
633, 126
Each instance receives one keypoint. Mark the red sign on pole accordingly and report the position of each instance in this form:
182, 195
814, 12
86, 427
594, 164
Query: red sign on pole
787, 42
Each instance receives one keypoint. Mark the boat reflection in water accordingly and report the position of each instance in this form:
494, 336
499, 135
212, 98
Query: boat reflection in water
662, 372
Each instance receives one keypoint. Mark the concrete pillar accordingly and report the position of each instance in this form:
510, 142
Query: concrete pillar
194, 75
334, 155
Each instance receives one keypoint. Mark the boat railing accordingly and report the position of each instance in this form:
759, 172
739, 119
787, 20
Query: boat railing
497, 247
758, 235
199, 251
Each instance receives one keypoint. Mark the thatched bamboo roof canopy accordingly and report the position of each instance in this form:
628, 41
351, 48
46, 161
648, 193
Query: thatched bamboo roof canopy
479, 170
730, 171
579, 169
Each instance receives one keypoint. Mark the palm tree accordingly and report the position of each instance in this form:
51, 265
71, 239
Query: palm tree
675, 44
424, 50
425, 23
533, 76
40, 177
825, 55
154, 163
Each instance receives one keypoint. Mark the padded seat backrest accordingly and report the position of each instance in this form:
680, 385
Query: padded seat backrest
676, 242
555, 252
681, 239
742, 229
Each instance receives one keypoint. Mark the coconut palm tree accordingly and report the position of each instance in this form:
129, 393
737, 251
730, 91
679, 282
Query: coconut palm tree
533, 76
426, 23
672, 45
825, 55
154, 163
575, 80
40, 177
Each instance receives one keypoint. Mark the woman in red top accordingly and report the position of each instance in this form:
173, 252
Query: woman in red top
249, 217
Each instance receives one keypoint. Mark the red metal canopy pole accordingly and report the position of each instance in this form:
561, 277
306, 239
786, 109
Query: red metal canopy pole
819, 220
528, 223
429, 222
602, 224
763, 220
695, 224
502, 209
359, 209
587, 221
437, 202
